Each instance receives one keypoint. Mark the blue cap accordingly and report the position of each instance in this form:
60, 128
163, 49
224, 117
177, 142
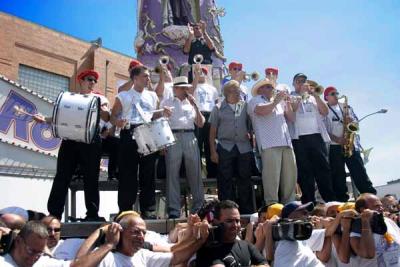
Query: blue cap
296, 205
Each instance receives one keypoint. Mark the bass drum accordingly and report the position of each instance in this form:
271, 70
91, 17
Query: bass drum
76, 117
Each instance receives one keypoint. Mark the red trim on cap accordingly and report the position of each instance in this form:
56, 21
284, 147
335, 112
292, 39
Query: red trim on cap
235, 65
135, 63
204, 70
85, 73
329, 90
273, 70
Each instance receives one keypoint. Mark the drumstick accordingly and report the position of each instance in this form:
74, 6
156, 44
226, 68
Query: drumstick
18, 109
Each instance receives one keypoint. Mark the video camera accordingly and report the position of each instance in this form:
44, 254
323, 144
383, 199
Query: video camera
378, 225
292, 230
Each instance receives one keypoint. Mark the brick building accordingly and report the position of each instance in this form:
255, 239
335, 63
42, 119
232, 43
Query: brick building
48, 61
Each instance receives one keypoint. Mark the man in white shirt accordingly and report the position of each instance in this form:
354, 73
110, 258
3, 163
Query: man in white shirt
184, 117
124, 241
299, 253
29, 248
136, 107
206, 96
269, 111
334, 122
310, 140
376, 242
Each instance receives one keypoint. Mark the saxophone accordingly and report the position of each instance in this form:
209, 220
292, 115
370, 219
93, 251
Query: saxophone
350, 129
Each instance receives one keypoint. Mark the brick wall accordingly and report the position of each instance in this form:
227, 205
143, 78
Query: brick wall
23, 42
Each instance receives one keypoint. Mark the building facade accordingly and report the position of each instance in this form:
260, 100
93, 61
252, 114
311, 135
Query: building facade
48, 61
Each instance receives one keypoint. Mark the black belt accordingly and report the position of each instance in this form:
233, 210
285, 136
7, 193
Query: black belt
182, 130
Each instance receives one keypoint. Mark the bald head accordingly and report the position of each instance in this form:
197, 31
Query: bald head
368, 201
13, 221
132, 236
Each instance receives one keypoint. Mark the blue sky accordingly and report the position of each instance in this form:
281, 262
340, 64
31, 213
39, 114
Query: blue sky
353, 45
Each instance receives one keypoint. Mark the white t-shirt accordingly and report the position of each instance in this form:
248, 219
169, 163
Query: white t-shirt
43, 261
7, 261
155, 238
336, 122
142, 258
183, 113
300, 253
147, 100
335, 262
46, 261
307, 117
386, 255
206, 96
67, 249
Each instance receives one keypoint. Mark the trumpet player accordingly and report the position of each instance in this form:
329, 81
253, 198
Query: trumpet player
206, 96
335, 125
236, 72
198, 42
269, 112
310, 139
271, 74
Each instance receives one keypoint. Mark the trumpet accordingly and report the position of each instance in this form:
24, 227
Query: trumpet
163, 62
252, 76
319, 90
198, 59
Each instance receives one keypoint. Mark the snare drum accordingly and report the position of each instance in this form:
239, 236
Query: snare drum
154, 136
76, 117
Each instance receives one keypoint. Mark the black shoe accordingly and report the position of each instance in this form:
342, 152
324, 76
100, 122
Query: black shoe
93, 219
149, 215
173, 216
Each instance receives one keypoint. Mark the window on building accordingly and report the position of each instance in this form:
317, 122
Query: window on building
43, 82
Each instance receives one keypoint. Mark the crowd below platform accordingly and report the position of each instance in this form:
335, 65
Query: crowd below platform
361, 233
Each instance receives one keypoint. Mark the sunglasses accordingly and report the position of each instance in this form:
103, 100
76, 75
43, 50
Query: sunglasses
334, 94
236, 69
91, 80
56, 230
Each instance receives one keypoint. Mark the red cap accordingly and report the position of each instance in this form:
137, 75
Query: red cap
234, 64
134, 63
204, 70
328, 90
273, 70
85, 73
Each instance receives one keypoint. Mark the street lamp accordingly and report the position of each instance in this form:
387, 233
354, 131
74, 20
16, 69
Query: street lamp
381, 111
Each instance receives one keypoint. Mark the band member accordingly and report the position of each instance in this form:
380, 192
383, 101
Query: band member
185, 115
128, 85
269, 112
230, 125
72, 153
271, 74
198, 42
236, 72
310, 140
206, 96
164, 85
136, 106
335, 126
